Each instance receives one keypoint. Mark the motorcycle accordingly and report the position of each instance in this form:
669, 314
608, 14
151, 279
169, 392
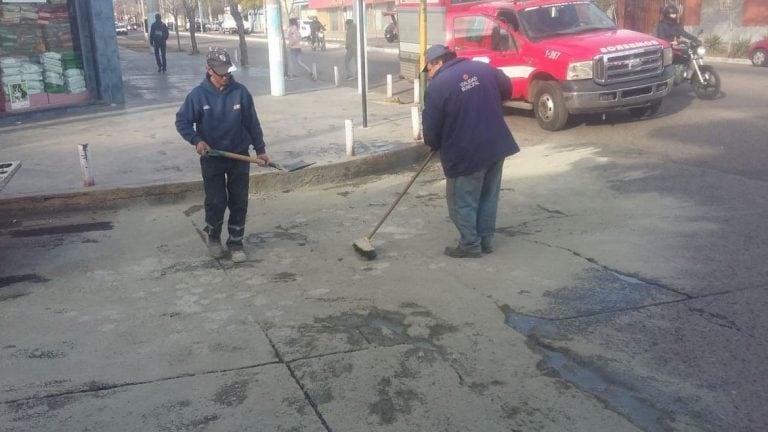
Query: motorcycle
318, 41
688, 60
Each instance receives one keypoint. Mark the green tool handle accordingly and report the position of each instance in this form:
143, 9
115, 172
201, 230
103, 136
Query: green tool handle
230, 155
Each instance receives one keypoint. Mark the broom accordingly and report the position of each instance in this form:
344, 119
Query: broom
363, 246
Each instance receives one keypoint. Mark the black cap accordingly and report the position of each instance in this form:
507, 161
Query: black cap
218, 59
433, 53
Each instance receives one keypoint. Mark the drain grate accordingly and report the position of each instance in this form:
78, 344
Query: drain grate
7, 170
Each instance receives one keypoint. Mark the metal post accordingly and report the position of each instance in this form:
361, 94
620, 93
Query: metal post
389, 86
422, 50
275, 47
361, 58
349, 137
85, 170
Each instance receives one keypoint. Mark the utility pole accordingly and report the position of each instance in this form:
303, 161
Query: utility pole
275, 48
362, 82
422, 50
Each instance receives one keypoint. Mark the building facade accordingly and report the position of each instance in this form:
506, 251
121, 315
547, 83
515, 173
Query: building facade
57, 53
731, 19
333, 13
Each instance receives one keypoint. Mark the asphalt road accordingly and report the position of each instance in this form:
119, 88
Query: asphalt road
627, 292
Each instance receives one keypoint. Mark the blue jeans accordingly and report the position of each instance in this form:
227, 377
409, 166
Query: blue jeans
472, 204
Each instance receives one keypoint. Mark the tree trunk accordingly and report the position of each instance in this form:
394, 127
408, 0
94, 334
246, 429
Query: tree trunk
235, 12
176, 29
190, 9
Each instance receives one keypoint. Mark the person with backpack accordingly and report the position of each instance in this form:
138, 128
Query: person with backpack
158, 35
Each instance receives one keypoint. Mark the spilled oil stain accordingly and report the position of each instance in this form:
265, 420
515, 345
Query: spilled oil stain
63, 229
27, 277
394, 400
563, 364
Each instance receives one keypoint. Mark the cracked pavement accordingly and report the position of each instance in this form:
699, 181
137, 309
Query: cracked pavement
591, 315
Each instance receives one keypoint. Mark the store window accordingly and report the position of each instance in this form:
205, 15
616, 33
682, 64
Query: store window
41, 62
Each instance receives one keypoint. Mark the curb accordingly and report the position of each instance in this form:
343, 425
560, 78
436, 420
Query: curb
260, 183
728, 60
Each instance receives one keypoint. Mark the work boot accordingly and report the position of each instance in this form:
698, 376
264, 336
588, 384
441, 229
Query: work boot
239, 256
487, 249
457, 252
215, 250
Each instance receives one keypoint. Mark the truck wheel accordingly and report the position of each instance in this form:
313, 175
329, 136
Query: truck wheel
549, 106
759, 58
646, 111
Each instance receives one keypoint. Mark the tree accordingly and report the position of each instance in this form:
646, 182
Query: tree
190, 9
235, 12
174, 6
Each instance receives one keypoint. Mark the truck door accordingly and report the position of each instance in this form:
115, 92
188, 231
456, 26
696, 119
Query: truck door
482, 38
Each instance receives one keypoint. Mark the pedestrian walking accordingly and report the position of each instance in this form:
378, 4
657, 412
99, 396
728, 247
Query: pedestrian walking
294, 49
350, 43
158, 35
219, 114
463, 120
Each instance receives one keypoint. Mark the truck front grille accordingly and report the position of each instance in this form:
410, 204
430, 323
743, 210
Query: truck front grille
629, 65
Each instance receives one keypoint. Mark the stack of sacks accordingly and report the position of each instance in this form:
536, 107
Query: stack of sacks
74, 80
33, 74
10, 14
10, 69
71, 60
54, 72
28, 14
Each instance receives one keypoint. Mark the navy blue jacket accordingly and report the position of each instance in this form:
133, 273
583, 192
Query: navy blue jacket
225, 120
463, 116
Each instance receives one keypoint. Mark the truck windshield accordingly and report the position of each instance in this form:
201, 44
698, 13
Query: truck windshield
564, 18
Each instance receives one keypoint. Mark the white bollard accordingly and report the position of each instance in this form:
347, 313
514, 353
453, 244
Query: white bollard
336, 76
416, 92
389, 86
88, 180
314, 71
350, 139
415, 123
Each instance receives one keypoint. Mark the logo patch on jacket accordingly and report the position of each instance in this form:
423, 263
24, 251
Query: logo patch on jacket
468, 82
236, 107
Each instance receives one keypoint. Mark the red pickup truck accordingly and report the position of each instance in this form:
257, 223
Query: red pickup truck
564, 57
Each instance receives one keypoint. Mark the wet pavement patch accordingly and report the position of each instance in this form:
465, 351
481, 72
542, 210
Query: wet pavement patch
264, 237
567, 366
63, 229
27, 277
232, 393
284, 277
601, 291
393, 400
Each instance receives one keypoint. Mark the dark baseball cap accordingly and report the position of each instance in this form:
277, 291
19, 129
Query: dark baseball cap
433, 53
218, 59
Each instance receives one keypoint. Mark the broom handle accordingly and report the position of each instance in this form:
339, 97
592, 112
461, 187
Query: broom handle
402, 194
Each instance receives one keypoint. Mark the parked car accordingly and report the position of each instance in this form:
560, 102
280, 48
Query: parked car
121, 29
228, 25
758, 52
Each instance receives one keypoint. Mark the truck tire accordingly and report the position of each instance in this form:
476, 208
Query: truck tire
549, 106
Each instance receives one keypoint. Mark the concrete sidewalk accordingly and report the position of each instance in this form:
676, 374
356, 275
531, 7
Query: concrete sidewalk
138, 146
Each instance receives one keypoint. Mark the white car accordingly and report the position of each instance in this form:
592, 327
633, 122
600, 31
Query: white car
304, 29
121, 29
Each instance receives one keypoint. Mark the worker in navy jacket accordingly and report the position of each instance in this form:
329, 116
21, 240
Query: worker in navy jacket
158, 35
463, 120
219, 114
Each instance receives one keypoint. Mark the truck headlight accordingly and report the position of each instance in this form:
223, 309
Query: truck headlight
667, 56
579, 70
700, 51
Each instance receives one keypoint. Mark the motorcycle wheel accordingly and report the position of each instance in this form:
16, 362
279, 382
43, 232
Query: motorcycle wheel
708, 87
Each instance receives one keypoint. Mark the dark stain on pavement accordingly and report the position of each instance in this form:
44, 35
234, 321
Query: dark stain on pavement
27, 277
192, 210
284, 277
232, 394
185, 268
264, 237
394, 399
63, 229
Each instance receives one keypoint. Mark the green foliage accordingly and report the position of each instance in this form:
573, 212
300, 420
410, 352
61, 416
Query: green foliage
740, 47
714, 42
251, 4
